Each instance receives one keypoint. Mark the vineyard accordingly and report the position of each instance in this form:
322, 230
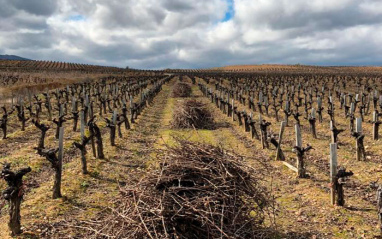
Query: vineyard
30, 77
264, 151
55, 66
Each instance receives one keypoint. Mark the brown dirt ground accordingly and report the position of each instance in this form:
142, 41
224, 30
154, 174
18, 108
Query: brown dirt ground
303, 207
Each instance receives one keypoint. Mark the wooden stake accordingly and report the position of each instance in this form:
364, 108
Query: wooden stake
352, 108
300, 160
331, 129
291, 167
359, 125
115, 117
358, 130
375, 125
57, 192
82, 116
61, 145
333, 172
233, 110
282, 127
298, 136
49, 106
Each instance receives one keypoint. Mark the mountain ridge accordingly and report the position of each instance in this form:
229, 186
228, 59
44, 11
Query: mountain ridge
13, 57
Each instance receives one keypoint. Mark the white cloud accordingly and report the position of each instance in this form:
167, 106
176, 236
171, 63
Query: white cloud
176, 33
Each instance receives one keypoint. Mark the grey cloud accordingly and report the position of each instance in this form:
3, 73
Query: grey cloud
177, 5
6, 9
326, 20
14, 18
36, 7
85, 7
29, 40
187, 34
17, 23
278, 17
125, 14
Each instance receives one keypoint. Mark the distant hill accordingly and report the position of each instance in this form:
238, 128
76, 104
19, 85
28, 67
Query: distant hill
297, 68
13, 57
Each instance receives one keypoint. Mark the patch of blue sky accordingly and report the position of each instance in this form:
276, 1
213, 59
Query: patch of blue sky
230, 13
76, 18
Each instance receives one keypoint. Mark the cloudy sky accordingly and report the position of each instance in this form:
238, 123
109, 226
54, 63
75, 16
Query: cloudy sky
155, 34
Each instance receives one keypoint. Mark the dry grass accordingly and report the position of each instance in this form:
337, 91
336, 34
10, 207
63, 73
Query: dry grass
84, 195
303, 205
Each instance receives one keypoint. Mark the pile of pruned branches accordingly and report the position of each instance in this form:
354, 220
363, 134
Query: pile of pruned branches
199, 191
192, 114
181, 89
